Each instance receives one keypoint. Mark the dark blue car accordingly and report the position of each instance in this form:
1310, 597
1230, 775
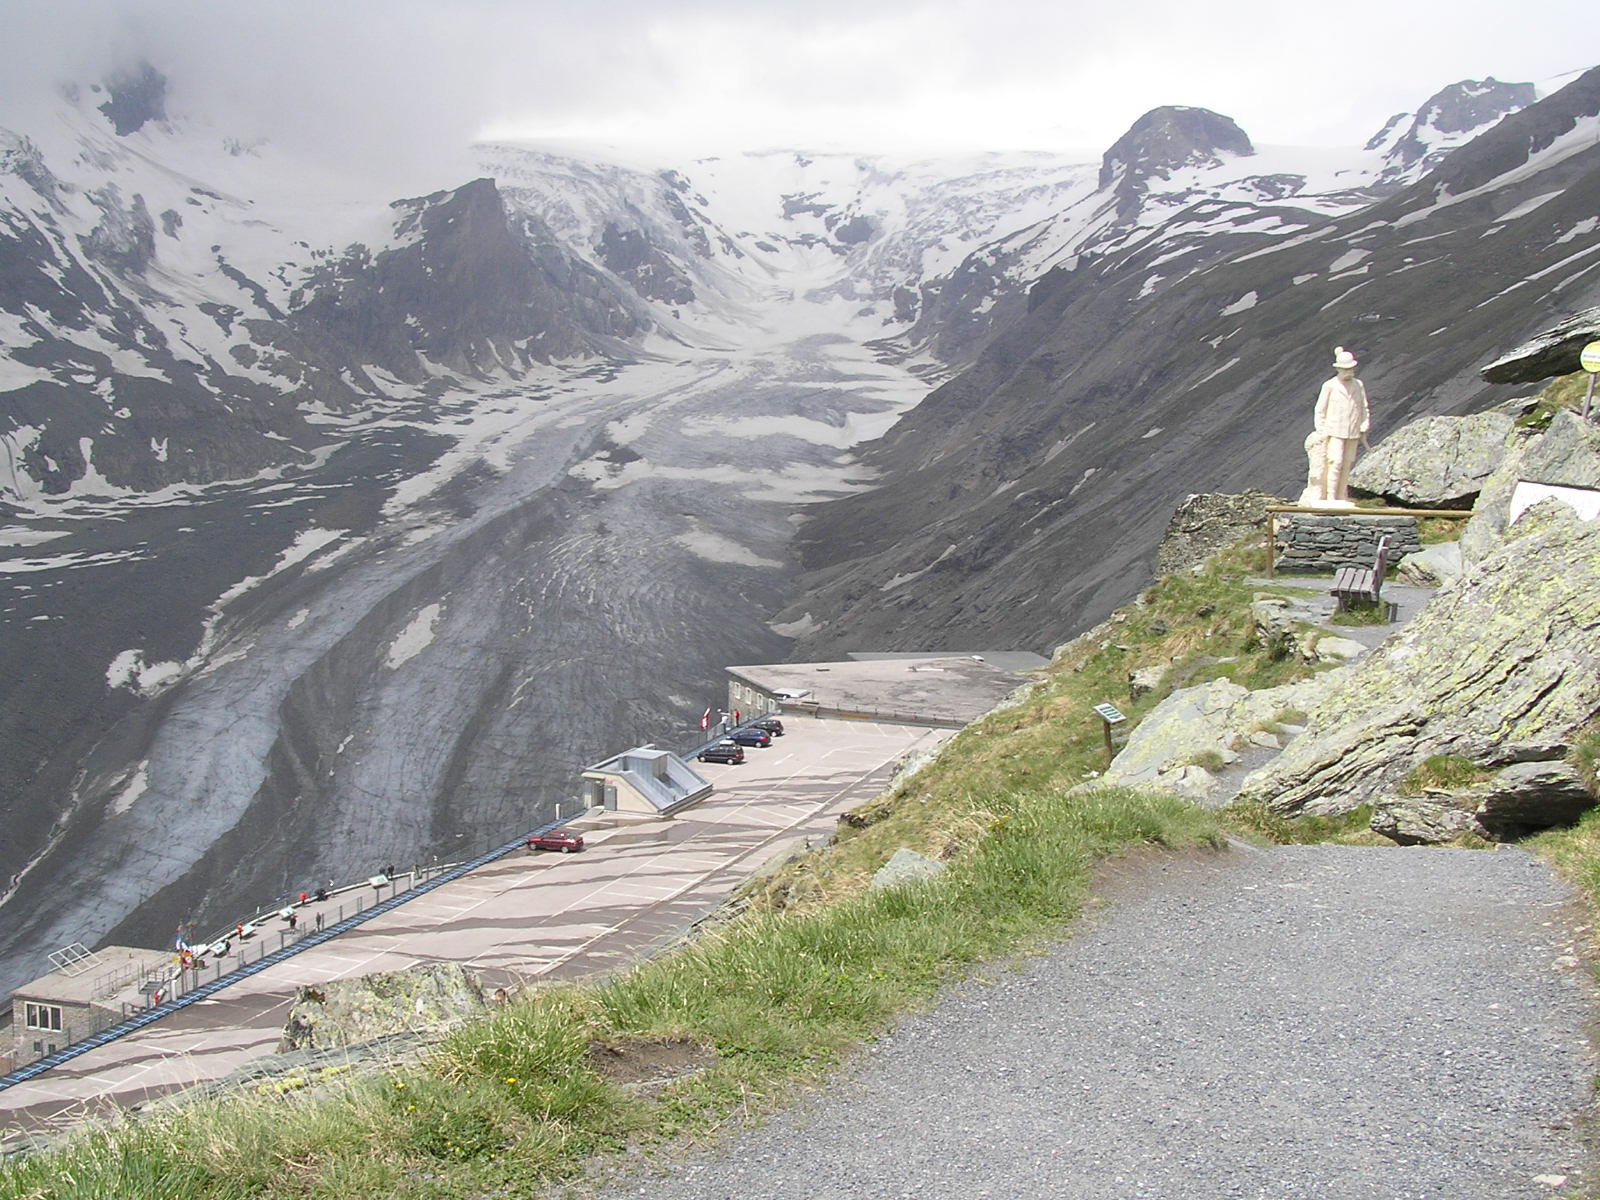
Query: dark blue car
751, 737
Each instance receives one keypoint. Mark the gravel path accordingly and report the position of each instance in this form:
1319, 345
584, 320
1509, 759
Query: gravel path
1299, 1022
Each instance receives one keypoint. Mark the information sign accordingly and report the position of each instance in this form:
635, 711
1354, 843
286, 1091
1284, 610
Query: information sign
1589, 360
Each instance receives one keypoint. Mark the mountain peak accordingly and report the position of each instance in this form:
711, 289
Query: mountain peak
1169, 138
1449, 118
138, 96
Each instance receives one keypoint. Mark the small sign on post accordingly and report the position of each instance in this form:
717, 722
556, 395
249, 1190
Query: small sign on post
1112, 718
1589, 360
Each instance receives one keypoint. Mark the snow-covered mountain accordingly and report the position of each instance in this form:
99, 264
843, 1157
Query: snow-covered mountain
177, 311
341, 528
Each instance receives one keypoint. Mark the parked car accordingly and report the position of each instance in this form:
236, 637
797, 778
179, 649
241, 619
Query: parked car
750, 736
722, 752
563, 840
771, 724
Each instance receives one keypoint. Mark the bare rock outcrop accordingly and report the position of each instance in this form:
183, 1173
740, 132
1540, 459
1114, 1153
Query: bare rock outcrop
1199, 740
1498, 669
1567, 454
347, 1012
1553, 352
1437, 462
1431, 565
1516, 800
1205, 523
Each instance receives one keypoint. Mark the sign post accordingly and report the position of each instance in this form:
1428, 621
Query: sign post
1109, 714
1589, 360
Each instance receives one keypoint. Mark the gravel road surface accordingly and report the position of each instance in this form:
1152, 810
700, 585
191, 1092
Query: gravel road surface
1319, 1021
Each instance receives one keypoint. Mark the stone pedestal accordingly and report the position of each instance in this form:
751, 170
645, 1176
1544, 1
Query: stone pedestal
1319, 544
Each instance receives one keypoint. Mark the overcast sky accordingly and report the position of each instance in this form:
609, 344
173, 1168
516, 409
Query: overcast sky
410, 79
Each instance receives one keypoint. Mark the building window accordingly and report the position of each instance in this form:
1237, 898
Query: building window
42, 1016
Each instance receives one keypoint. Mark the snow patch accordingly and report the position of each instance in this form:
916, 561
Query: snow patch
1527, 206
807, 624
130, 671
1243, 304
132, 790
1581, 229
415, 637
713, 547
907, 578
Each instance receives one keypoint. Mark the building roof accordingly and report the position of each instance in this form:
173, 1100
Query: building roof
1006, 660
106, 972
952, 690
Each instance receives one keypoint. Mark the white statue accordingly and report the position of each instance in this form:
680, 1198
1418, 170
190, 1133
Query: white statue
1342, 420
1316, 466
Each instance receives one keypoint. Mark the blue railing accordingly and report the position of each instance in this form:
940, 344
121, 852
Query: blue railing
193, 996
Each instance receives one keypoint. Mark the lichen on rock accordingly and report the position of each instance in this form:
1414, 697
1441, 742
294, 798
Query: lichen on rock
1498, 668
347, 1012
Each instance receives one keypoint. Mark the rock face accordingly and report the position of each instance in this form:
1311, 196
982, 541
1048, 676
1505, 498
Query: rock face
1432, 565
1440, 462
1498, 668
469, 288
1553, 352
137, 98
1460, 108
1517, 800
1204, 524
347, 1012
1197, 741
1567, 454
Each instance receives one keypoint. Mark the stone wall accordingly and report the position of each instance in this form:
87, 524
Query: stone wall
1319, 544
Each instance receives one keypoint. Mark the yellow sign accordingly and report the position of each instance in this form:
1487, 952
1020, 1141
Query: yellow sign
1590, 358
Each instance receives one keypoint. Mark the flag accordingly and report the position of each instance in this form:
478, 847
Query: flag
705, 721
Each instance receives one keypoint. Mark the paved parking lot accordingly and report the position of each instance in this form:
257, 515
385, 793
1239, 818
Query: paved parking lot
529, 916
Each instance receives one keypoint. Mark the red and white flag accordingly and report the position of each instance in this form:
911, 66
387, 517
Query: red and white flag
705, 721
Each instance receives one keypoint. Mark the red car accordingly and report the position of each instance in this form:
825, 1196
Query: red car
563, 840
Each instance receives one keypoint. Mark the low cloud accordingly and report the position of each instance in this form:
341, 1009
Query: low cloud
401, 87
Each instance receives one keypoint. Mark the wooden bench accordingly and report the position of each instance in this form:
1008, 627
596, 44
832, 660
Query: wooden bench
1362, 585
